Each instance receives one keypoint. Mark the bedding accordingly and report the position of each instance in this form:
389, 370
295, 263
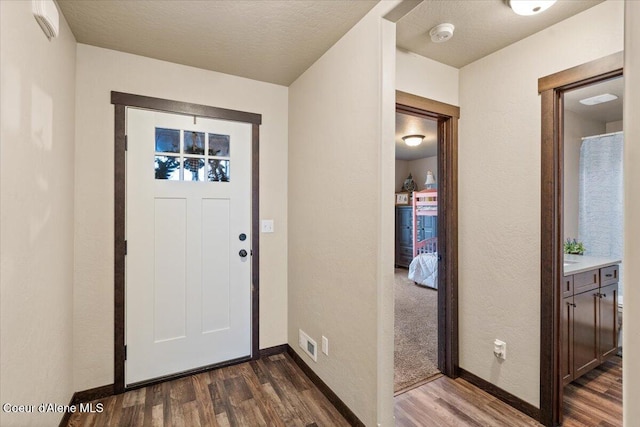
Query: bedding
424, 270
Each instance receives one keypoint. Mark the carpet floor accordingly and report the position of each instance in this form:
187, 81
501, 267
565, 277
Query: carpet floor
416, 332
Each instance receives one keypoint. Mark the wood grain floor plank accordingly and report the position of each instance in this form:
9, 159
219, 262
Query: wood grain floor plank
271, 392
594, 400
157, 416
205, 407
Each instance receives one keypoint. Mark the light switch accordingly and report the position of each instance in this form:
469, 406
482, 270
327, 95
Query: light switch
267, 226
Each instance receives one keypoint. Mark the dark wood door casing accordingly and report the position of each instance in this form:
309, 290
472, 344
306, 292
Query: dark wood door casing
121, 101
447, 224
551, 88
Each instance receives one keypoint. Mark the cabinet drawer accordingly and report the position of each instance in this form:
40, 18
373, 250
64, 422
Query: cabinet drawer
609, 275
586, 281
405, 251
567, 286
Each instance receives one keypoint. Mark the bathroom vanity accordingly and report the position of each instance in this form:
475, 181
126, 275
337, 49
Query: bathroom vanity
589, 323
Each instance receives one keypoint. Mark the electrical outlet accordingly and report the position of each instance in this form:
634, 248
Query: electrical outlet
325, 345
500, 349
308, 345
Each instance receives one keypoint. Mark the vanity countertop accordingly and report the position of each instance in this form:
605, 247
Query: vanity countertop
574, 264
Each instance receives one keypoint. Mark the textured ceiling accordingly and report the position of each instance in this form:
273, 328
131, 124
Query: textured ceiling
407, 124
606, 112
482, 27
267, 40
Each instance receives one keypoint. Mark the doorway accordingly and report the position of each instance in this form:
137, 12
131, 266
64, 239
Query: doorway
434, 234
186, 239
553, 369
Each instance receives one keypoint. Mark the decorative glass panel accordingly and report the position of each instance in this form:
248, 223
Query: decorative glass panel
218, 170
168, 167
218, 145
193, 142
167, 140
193, 169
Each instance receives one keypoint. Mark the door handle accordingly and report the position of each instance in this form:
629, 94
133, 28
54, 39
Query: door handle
242, 253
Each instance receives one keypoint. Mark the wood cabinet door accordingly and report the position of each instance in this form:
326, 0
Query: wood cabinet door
585, 332
608, 321
566, 341
404, 236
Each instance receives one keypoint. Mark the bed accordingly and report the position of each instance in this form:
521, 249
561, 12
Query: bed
423, 269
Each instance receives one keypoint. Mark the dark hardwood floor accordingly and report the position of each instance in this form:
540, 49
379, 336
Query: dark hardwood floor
272, 391
594, 400
447, 402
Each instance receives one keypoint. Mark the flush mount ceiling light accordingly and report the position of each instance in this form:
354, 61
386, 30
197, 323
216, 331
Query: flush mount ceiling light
413, 140
599, 99
441, 33
530, 7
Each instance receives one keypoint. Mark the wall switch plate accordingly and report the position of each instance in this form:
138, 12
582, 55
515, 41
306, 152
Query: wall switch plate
325, 345
267, 226
308, 345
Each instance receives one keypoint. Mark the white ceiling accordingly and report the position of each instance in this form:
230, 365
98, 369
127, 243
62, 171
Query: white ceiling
407, 124
269, 40
277, 40
606, 112
482, 27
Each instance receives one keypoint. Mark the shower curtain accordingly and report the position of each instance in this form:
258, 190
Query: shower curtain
601, 204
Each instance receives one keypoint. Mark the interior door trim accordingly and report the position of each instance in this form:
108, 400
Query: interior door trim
121, 101
552, 88
447, 116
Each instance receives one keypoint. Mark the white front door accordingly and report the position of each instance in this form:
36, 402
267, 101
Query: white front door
188, 232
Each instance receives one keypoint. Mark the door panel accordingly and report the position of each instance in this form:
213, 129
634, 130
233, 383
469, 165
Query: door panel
608, 320
170, 290
188, 291
566, 341
585, 332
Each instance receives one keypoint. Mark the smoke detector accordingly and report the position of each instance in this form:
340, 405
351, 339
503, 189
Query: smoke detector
441, 33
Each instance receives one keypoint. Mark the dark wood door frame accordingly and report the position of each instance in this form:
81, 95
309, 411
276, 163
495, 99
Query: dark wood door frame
121, 101
552, 90
447, 117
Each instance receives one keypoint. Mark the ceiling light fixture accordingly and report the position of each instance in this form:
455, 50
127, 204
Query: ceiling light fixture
530, 7
441, 33
599, 99
413, 140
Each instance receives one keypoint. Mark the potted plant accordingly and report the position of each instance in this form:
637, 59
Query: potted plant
573, 247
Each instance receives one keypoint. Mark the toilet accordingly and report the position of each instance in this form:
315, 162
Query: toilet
619, 325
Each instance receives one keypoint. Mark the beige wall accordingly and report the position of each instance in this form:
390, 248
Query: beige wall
418, 169
36, 207
401, 173
100, 71
340, 218
499, 193
631, 317
427, 78
614, 126
575, 127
